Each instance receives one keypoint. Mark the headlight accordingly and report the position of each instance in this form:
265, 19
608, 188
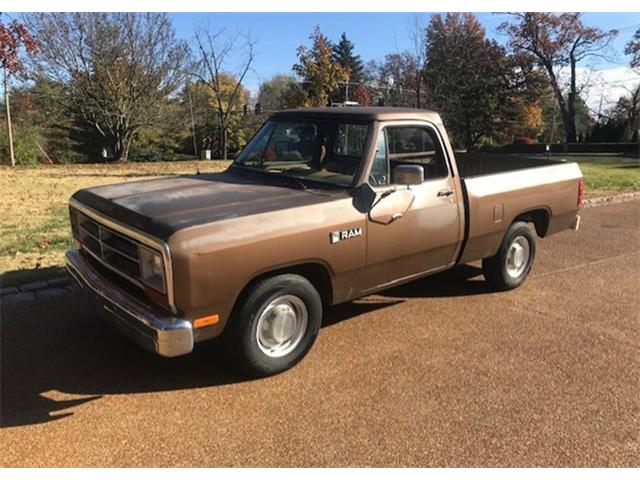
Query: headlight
151, 268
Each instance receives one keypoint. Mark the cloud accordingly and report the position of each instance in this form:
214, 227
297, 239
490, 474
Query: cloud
606, 85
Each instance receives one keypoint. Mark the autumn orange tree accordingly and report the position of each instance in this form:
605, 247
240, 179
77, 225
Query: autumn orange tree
13, 37
363, 95
557, 42
319, 70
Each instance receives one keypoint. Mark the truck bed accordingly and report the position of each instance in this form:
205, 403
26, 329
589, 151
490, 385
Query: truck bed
476, 164
499, 188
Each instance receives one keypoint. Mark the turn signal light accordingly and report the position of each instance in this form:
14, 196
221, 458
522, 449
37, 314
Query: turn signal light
204, 321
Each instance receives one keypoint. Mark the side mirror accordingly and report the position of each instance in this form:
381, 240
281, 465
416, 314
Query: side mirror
363, 197
408, 174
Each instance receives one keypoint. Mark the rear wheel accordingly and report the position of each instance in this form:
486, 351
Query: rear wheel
509, 267
275, 325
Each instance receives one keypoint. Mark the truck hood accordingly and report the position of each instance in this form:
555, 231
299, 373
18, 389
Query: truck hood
165, 205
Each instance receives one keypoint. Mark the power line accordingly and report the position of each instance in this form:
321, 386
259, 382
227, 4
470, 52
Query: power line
616, 82
630, 27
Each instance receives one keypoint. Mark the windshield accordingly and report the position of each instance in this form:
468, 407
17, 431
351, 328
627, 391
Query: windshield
326, 152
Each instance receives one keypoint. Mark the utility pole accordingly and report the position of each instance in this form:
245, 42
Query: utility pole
9, 131
552, 132
600, 108
193, 126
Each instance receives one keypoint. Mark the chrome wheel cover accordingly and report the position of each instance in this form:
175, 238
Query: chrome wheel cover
281, 326
518, 255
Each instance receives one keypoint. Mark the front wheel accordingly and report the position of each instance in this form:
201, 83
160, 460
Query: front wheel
509, 267
275, 326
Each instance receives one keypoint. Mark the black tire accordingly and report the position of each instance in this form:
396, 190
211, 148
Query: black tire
496, 270
241, 336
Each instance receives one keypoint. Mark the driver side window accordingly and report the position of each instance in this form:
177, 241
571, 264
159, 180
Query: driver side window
407, 145
416, 145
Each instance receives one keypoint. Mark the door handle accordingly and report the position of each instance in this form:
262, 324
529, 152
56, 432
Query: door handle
445, 193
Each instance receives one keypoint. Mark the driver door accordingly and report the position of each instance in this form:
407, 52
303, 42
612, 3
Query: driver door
413, 229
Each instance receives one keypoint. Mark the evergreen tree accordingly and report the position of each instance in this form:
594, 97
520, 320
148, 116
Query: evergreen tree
344, 55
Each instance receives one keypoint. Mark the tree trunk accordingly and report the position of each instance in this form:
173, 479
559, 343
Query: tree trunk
568, 118
570, 123
8, 109
224, 142
121, 148
222, 135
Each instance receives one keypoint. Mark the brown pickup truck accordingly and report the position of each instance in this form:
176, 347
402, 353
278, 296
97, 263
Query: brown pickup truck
321, 207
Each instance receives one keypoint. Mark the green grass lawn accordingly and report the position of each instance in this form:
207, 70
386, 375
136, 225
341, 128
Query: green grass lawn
609, 175
34, 228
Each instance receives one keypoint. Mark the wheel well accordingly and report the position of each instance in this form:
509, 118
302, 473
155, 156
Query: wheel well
316, 273
539, 218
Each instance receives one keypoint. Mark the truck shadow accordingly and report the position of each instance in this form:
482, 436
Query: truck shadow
459, 281
55, 355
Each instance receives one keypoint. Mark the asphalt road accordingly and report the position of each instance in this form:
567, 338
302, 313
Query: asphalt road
440, 372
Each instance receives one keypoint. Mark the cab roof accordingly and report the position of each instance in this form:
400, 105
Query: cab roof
360, 113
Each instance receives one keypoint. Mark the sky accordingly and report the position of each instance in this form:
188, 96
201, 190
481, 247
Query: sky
278, 35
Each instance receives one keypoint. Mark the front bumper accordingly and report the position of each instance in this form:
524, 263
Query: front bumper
150, 327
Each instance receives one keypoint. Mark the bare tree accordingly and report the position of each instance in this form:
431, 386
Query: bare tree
119, 68
556, 42
629, 107
396, 79
214, 51
417, 32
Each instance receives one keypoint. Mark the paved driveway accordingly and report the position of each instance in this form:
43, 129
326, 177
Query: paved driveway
437, 372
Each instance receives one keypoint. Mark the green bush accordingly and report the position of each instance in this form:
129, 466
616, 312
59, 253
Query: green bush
25, 149
485, 144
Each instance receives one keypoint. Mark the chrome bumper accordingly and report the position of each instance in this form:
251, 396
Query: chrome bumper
151, 328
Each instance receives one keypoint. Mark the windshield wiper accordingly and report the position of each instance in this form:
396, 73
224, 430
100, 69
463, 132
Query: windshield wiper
294, 181
292, 178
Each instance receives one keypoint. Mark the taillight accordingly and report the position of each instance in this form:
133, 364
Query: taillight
580, 192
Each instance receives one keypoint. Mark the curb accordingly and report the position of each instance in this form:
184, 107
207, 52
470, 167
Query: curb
41, 290
623, 197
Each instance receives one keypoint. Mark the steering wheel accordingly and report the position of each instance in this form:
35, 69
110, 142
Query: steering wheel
374, 180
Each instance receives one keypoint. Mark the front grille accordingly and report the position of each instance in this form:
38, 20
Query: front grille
114, 249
